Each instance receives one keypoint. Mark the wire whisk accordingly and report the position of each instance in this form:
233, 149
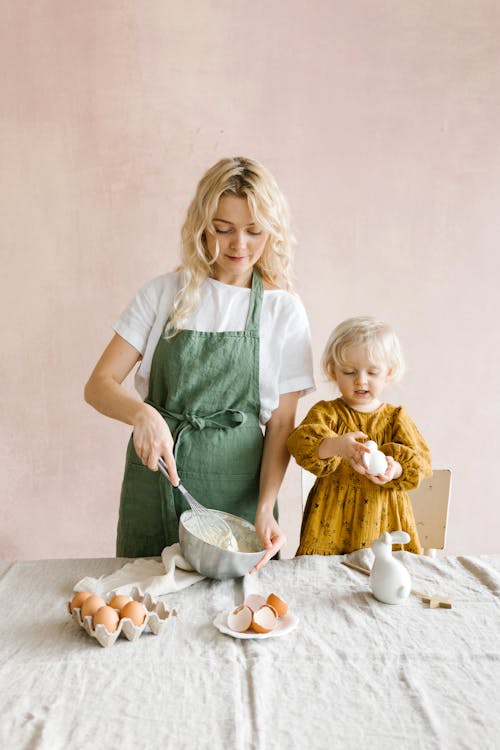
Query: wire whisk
208, 525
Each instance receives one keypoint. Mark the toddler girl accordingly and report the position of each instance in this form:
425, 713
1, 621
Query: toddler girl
348, 508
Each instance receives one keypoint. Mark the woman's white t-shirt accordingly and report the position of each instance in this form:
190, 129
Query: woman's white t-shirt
285, 341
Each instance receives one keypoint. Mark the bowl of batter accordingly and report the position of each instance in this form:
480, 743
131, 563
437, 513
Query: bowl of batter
219, 555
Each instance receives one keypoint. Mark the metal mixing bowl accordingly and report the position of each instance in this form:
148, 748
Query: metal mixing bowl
215, 562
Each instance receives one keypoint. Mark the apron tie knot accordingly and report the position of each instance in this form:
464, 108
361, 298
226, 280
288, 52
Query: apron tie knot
199, 423
223, 419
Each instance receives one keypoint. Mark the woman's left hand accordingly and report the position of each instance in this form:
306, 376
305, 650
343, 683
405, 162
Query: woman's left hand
393, 471
272, 538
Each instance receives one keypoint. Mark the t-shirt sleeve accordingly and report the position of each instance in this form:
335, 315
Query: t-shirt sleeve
296, 371
136, 321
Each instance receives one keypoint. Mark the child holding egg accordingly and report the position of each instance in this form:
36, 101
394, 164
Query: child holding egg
349, 507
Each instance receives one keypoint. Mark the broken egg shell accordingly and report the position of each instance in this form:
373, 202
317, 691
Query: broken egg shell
91, 605
264, 619
134, 611
108, 617
240, 618
255, 601
278, 604
78, 600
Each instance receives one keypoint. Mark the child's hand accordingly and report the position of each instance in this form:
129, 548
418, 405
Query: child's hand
393, 471
346, 446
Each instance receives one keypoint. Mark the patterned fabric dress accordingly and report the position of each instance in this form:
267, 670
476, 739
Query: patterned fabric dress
345, 511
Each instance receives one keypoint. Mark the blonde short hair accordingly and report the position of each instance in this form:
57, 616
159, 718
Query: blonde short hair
380, 340
245, 178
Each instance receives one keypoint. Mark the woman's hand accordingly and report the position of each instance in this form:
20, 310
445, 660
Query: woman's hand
105, 392
393, 471
271, 535
152, 439
275, 457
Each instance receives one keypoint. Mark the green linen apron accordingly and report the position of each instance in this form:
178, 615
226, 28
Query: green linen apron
206, 386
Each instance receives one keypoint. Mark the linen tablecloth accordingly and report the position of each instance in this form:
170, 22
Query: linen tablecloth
355, 673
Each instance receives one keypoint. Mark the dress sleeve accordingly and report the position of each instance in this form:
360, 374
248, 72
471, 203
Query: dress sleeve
304, 441
409, 448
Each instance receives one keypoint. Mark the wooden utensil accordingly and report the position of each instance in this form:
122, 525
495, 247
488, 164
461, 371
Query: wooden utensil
436, 600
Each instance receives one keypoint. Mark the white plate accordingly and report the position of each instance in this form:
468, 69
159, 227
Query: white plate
285, 625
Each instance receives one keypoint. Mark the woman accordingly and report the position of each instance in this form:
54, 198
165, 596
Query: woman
224, 348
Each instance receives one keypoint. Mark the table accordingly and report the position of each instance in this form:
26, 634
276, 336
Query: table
355, 673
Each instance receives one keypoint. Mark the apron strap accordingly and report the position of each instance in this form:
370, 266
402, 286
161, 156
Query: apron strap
223, 419
254, 308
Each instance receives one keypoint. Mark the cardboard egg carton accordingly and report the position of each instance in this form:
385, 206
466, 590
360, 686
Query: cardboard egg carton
156, 620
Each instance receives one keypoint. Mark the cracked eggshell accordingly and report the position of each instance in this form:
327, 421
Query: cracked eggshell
264, 619
254, 601
278, 604
240, 618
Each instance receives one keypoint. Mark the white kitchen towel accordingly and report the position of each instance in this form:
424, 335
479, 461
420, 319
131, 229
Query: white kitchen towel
148, 576
362, 557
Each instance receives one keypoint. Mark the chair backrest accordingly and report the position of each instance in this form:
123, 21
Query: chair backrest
430, 503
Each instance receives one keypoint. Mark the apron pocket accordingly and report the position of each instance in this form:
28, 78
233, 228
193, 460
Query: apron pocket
140, 524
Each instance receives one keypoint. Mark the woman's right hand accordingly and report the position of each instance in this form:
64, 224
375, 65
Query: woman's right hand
105, 392
152, 439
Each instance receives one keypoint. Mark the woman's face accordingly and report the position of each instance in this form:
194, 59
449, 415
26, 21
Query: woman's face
241, 241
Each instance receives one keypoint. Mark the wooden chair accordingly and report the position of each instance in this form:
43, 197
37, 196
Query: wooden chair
430, 504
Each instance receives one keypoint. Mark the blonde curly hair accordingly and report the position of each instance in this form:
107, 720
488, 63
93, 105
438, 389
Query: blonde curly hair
241, 177
380, 341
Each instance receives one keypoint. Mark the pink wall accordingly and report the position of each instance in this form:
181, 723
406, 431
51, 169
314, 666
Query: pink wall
380, 121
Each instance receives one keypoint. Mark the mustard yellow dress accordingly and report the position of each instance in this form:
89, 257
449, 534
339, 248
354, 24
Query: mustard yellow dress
345, 511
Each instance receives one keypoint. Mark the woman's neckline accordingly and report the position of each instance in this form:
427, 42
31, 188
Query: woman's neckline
222, 284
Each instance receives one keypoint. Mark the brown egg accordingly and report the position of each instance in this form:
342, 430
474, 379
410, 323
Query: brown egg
135, 611
119, 601
279, 605
240, 619
264, 619
78, 600
108, 617
91, 605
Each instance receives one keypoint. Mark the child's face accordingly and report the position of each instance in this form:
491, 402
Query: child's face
360, 380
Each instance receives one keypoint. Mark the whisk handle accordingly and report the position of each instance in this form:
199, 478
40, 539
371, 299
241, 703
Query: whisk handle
163, 468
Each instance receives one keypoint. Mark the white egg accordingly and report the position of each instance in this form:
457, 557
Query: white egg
372, 446
378, 463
